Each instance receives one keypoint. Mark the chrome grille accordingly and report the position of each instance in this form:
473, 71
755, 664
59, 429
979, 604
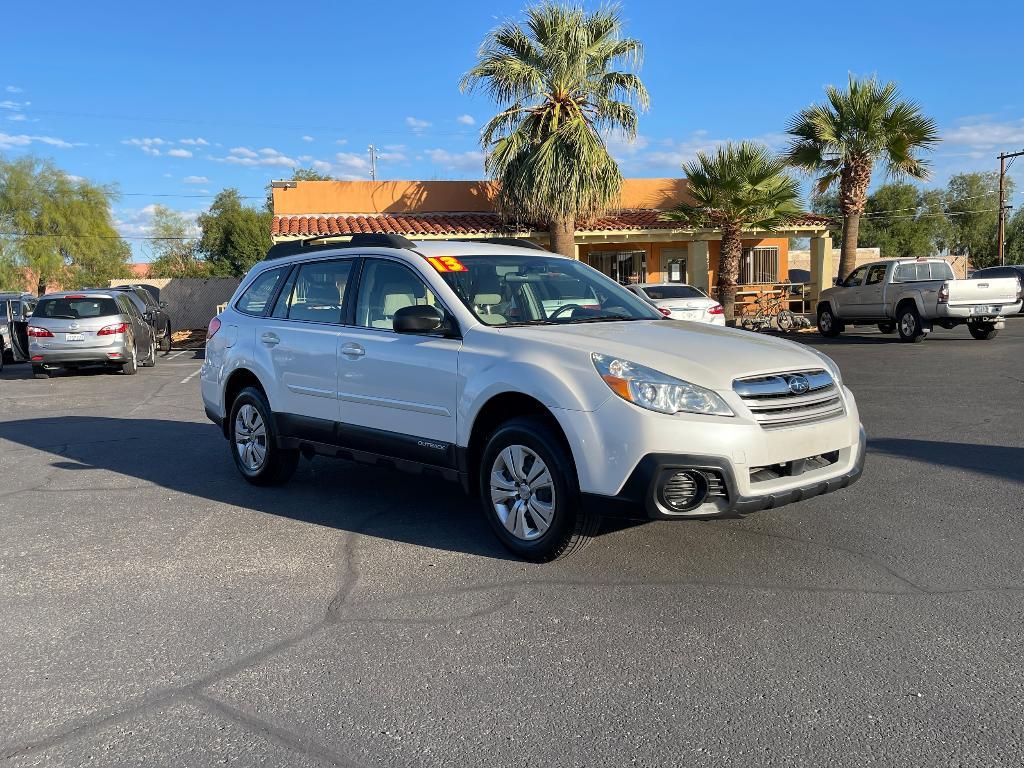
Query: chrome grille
790, 399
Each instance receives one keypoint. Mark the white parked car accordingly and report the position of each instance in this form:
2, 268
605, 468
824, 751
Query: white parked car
681, 302
445, 358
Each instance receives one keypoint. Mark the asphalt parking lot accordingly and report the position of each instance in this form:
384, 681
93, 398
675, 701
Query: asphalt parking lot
156, 610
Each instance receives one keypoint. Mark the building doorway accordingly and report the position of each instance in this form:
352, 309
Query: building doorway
673, 262
625, 267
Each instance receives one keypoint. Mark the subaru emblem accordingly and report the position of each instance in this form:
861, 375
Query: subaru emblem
799, 384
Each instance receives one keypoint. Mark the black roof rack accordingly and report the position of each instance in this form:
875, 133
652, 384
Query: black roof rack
518, 242
364, 240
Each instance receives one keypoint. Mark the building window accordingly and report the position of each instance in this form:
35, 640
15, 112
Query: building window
759, 265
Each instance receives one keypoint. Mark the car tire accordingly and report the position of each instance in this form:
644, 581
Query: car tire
40, 372
983, 331
131, 366
908, 323
150, 360
165, 340
252, 437
829, 325
887, 327
536, 511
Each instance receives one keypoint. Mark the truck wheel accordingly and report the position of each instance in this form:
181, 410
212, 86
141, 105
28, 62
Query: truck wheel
908, 322
828, 324
165, 340
983, 331
253, 441
887, 327
530, 493
40, 372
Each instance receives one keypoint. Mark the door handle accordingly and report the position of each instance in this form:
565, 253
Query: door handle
353, 351
270, 339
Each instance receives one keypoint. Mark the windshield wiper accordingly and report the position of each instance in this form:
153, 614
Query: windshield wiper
603, 319
62, 317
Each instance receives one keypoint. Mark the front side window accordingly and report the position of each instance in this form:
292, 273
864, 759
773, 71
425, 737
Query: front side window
317, 292
259, 292
521, 290
386, 287
855, 277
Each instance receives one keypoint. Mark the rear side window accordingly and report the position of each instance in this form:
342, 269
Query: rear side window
260, 291
940, 270
76, 308
317, 294
875, 275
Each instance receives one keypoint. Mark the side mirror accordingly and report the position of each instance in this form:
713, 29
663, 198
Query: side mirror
147, 316
163, 305
836, 281
418, 318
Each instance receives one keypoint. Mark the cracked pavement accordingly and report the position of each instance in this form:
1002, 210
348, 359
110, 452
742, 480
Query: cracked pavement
157, 610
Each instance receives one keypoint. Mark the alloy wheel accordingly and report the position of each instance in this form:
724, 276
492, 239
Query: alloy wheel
522, 492
250, 438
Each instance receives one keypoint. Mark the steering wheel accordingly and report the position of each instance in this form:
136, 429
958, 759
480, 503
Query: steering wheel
562, 309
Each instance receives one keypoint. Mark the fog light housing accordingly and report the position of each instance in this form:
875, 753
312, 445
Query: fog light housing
682, 490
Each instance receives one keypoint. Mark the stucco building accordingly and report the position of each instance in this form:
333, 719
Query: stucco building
631, 244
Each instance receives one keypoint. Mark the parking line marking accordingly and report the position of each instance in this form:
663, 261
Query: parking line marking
178, 354
191, 376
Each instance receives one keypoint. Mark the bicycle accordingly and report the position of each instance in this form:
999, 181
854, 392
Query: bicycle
770, 310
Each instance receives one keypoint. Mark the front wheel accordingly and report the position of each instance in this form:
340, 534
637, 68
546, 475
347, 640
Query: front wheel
530, 493
150, 360
828, 324
165, 340
983, 331
253, 441
908, 322
40, 372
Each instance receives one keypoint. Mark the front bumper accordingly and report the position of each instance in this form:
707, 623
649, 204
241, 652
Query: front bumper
639, 497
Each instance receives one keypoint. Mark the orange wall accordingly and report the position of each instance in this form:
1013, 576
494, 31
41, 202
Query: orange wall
323, 197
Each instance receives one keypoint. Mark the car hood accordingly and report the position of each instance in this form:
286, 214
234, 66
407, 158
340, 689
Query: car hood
707, 355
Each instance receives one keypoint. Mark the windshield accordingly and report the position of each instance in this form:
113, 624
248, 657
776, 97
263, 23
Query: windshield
526, 290
660, 292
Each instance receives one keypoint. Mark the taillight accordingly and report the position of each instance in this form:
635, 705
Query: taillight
665, 312
944, 293
716, 310
110, 330
39, 333
214, 326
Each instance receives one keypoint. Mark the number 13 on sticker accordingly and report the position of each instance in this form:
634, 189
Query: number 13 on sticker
446, 264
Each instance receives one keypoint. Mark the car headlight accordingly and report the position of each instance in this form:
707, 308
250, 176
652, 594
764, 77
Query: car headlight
831, 367
655, 390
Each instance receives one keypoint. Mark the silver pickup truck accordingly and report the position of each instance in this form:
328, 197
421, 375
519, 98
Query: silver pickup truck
910, 295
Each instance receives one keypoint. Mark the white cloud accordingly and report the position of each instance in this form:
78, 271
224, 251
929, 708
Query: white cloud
351, 162
666, 156
341, 142
148, 144
465, 120
196, 180
18, 117
986, 134
8, 141
267, 156
462, 161
416, 124
14, 106
138, 222
178, 152
196, 142
13, 89
308, 138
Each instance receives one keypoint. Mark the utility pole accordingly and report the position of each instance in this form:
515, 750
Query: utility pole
1002, 200
373, 162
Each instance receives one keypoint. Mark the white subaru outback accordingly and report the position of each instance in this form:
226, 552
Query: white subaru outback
547, 389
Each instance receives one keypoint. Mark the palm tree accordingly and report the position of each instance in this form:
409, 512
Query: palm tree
842, 140
740, 186
564, 80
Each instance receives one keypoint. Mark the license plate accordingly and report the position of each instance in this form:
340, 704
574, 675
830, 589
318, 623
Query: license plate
74, 337
985, 310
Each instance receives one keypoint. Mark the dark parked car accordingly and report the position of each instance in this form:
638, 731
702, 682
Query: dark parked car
152, 309
14, 311
1010, 270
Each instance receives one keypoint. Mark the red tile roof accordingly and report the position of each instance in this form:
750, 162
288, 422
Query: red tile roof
469, 223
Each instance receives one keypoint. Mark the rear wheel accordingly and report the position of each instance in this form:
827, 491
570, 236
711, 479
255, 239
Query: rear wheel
165, 339
253, 441
908, 322
130, 366
530, 493
150, 360
828, 324
983, 331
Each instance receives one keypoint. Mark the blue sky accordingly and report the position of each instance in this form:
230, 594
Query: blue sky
173, 102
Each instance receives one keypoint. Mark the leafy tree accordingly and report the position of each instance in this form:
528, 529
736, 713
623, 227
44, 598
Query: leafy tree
58, 227
971, 201
1014, 251
842, 140
234, 236
174, 253
563, 79
902, 221
309, 174
11, 278
740, 186
827, 204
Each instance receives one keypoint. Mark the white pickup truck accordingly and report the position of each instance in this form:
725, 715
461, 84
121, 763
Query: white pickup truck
910, 295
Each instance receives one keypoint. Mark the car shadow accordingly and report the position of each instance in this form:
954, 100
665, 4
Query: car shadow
193, 459
999, 461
